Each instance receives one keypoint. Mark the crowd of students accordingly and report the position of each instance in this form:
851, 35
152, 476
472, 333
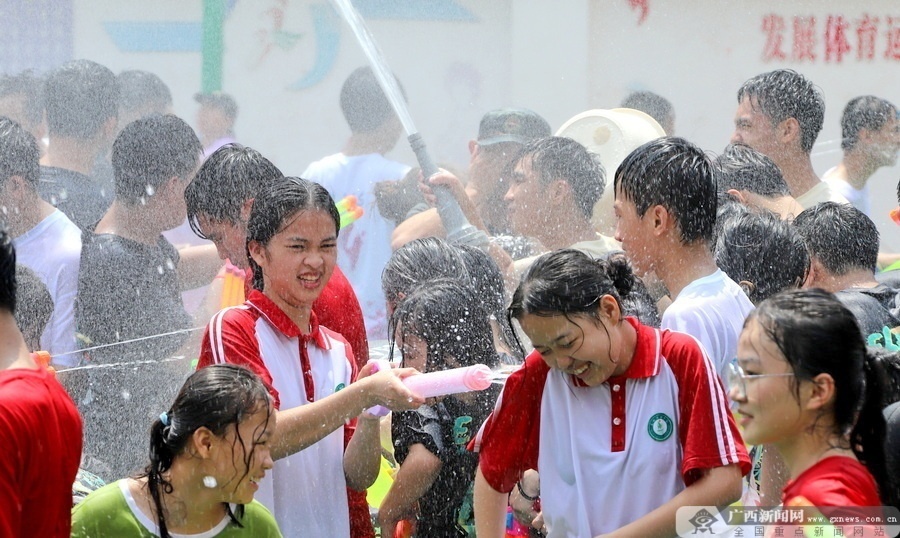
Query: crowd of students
733, 342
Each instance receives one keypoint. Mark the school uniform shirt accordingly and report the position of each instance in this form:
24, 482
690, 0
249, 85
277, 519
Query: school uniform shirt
40, 439
610, 454
877, 310
712, 309
305, 491
836, 481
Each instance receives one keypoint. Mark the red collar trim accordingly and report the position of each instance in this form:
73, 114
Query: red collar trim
646, 360
283, 323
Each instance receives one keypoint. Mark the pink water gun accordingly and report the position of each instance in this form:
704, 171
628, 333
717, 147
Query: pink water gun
441, 383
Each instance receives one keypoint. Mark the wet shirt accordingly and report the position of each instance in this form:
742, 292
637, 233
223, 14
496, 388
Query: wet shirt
444, 429
112, 511
126, 290
84, 199
876, 311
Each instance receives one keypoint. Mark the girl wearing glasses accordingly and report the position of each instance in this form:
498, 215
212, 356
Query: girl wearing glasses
803, 382
624, 423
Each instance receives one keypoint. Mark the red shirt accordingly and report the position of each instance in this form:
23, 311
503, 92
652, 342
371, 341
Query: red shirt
834, 481
40, 440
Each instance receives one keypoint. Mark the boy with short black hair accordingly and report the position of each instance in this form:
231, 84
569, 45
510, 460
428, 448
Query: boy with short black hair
754, 180
666, 215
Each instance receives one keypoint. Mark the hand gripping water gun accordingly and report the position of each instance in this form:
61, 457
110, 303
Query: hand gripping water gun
349, 209
442, 383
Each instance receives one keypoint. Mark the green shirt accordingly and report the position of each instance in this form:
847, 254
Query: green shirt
111, 512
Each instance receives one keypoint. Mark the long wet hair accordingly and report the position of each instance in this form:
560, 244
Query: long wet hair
419, 261
452, 320
816, 334
274, 206
216, 397
570, 283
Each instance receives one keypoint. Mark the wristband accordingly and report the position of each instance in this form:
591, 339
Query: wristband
526, 496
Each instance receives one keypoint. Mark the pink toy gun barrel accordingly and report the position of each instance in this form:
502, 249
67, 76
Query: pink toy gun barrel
442, 383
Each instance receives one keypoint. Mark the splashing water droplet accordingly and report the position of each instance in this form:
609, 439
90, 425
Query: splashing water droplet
150, 190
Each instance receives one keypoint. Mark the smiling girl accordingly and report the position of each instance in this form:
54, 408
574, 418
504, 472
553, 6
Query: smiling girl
208, 453
624, 423
804, 383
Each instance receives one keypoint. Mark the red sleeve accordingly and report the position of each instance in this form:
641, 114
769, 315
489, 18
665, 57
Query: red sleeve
338, 309
508, 441
230, 338
709, 436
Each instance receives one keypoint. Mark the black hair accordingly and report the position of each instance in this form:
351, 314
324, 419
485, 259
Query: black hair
487, 280
31, 87
839, 236
142, 93
418, 261
150, 151
759, 251
568, 282
7, 273
638, 302
742, 168
80, 96
783, 94
864, 112
677, 175
816, 334
363, 102
654, 105
34, 308
19, 153
556, 157
216, 397
228, 178
275, 204
452, 320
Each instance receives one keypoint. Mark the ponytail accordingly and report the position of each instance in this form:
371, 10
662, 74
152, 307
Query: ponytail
868, 434
161, 457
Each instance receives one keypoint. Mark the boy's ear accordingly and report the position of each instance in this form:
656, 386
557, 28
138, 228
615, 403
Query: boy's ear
661, 219
558, 189
789, 131
246, 208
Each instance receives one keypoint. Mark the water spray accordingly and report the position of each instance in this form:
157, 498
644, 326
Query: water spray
459, 230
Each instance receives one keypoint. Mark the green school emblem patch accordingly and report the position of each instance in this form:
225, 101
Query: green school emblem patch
660, 427
339, 387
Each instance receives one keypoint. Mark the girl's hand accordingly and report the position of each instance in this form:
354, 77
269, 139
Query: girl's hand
386, 388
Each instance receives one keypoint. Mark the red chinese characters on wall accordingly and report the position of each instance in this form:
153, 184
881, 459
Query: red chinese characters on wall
832, 38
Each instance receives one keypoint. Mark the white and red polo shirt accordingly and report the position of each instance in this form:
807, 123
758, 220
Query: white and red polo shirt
306, 491
610, 454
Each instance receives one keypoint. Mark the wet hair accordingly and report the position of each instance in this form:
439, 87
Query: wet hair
452, 320
216, 397
7, 273
230, 176
638, 302
276, 204
363, 102
556, 157
742, 168
677, 175
150, 151
80, 96
841, 237
19, 153
29, 86
570, 283
487, 280
759, 251
816, 334
35, 306
864, 112
142, 93
419, 261
654, 105
783, 94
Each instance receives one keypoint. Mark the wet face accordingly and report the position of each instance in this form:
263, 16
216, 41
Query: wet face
299, 259
753, 128
486, 168
171, 198
243, 457
634, 232
770, 411
415, 351
230, 238
526, 201
580, 345
885, 142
